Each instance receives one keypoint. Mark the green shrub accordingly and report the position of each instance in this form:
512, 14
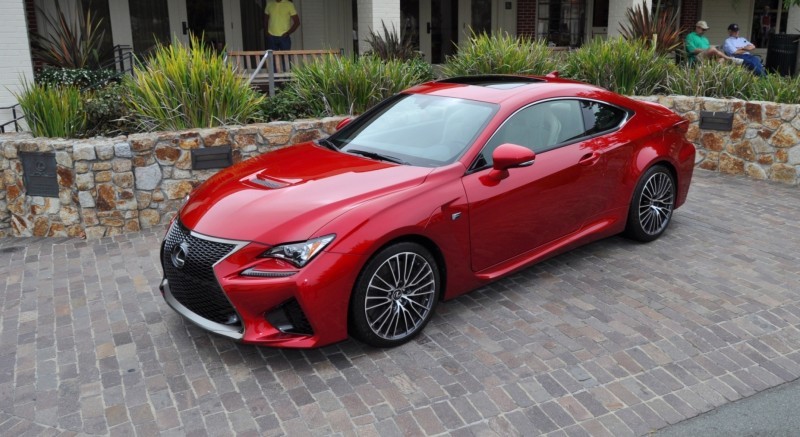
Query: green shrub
106, 112
625, 67
79, 77
338, 85
712, 79
500, 53
56, 112
183, 87
285, 105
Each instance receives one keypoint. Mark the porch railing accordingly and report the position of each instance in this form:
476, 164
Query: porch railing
122, 62
15, 118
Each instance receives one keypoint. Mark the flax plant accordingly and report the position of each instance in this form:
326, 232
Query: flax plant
500, 53
52, 111
625, 67
182, 87
340, 85
69, 43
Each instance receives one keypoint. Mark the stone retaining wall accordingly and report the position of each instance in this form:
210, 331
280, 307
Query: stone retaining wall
108, 186
764, 143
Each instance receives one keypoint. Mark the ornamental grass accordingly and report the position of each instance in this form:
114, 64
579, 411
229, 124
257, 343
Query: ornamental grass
53, 111
182, 87
625, 67
500, 53
337, 85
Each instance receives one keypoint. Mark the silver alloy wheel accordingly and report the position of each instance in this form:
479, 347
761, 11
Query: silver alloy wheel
400, 295
656, 203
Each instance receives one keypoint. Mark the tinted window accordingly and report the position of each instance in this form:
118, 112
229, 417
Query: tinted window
419, 129
600, 117
539, 127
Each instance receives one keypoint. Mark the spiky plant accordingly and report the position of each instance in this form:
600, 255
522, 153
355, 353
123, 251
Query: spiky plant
337, 85
659, 30
181, 87
712, 79
390, 45
70, 43
52, 111
500, 53
625, 67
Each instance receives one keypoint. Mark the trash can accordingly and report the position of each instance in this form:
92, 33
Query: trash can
782, 53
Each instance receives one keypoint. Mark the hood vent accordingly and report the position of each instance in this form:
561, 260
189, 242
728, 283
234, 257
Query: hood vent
269, 183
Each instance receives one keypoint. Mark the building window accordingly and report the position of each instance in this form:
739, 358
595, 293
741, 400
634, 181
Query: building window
149, 24
561, 23
767, 15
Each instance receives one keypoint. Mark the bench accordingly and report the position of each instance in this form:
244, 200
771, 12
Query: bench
273, 66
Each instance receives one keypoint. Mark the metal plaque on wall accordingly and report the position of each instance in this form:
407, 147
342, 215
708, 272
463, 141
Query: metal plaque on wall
39, 173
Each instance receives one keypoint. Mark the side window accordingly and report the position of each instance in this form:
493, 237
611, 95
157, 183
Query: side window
600, 117
539, 127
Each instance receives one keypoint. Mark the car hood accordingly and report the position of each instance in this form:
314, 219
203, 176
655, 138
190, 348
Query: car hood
288, 194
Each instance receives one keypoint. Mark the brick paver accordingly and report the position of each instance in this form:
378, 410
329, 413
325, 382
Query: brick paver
615, 338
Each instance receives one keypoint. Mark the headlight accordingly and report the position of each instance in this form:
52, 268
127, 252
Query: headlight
299, 254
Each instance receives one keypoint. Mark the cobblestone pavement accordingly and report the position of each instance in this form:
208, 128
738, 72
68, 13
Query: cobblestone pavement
612, 339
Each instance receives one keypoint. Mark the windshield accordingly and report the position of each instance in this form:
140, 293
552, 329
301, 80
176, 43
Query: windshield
416, 129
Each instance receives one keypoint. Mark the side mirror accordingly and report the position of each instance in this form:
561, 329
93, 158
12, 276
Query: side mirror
343, 123
507, 156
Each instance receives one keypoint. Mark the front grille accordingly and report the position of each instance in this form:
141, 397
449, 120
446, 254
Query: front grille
194, 285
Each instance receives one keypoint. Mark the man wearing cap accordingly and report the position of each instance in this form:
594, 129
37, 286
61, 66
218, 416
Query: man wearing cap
740, 47
698, 47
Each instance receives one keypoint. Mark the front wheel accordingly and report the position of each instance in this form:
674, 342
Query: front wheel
652, 205
395, 295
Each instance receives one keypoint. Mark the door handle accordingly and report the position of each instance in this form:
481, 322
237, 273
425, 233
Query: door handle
589, 158
185, 27
429, 27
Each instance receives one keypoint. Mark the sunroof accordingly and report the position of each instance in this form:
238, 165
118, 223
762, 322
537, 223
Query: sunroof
494, 81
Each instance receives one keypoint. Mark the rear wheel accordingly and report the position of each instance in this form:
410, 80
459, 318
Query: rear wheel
652, 205
395, 295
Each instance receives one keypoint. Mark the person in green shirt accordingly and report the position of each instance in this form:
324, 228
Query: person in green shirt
698, 47
280, 20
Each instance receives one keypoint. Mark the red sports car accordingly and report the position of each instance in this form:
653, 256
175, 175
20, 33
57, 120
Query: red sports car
432, 193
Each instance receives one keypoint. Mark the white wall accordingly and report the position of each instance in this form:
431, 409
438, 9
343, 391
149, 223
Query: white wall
371, 15
616, 13
15, 56
719, 14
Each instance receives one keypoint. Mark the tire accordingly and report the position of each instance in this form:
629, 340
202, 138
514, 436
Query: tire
652, 205
395, 295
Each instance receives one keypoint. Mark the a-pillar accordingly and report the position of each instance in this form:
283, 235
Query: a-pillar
372, 14
616, 13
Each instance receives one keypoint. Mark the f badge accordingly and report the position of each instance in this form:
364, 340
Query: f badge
179, 254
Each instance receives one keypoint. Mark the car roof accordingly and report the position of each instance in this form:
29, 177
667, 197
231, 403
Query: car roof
507, 88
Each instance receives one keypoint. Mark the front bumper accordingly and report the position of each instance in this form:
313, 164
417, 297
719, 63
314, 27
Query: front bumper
260, 310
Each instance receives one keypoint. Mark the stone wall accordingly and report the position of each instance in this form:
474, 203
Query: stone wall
763, 144
108, 186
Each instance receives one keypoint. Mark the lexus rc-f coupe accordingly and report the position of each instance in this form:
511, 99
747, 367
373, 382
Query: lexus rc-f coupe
433, 192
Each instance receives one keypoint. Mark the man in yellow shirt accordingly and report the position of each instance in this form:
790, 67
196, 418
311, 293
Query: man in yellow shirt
280, 20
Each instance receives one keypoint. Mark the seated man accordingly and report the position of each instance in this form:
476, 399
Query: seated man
740, 47
698, 47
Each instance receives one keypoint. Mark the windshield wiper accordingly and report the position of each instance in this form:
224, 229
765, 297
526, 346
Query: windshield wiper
378, 156
327, 144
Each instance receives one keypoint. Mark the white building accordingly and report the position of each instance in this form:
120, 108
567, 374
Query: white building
438, 25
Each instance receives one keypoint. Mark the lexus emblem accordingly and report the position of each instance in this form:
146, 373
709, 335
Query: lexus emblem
179, 254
